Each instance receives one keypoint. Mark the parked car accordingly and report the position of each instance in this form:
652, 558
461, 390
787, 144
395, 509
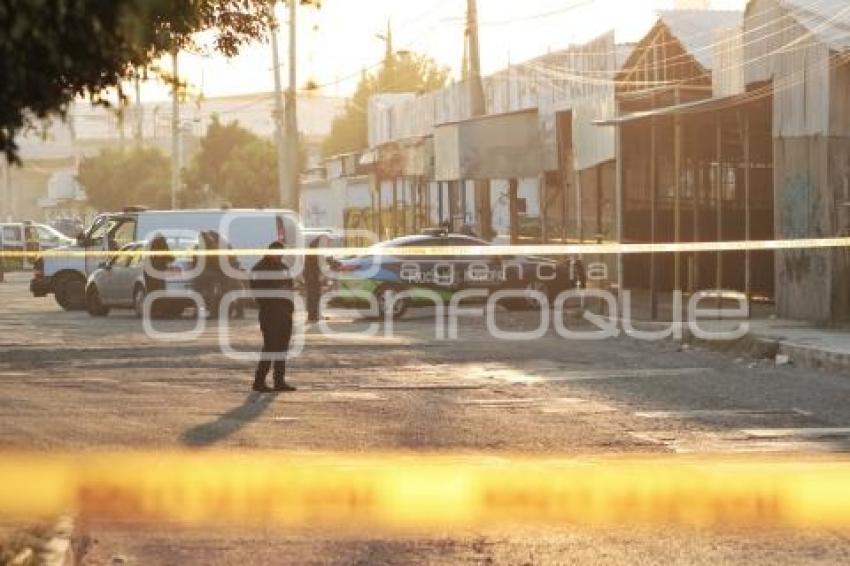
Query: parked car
120, 283
65, 276
383, 275
18, 237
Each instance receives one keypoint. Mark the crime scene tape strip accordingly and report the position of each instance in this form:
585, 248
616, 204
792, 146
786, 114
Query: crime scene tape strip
401, 493
475, 251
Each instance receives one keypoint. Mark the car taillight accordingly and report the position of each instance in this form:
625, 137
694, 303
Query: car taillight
347, 267
281, 230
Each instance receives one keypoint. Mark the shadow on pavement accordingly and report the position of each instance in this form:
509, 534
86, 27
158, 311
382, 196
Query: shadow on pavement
229, 423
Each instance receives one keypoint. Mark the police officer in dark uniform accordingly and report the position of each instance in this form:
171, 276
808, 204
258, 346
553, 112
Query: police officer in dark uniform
271, 274
313, 281
155, 266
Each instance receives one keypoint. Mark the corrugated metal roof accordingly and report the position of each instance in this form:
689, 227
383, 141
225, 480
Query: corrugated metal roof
696, 29
827, 20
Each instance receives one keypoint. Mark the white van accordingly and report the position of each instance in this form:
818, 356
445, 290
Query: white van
65, 274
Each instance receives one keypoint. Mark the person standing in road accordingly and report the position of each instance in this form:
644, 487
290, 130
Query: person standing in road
215, 281
155, 266
209, 282
313, 281
271, 274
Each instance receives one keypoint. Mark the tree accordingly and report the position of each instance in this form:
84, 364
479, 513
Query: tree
114, 179
53, 51
203, 178
249, 176
235, 165
401, 72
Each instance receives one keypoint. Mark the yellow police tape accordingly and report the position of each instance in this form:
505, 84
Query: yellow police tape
407, 492
476, 251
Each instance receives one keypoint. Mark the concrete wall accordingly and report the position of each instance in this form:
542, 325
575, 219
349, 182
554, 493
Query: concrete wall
321, 204
811, 179
491, 147
839, 187
324, 204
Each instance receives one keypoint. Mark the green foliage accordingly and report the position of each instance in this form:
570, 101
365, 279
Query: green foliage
115, 179
233, 165
404, 72
52, 51
203, 178
249, 177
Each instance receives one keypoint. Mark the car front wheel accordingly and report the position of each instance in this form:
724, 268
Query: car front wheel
70, 292
389, 303
139, 297
94, 304
529, 301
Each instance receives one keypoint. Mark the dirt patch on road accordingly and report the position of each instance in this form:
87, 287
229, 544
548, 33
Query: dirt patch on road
22, 546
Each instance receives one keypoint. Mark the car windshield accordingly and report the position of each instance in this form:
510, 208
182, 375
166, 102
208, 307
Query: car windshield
49, 233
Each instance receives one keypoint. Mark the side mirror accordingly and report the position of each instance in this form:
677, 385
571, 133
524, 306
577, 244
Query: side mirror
81, 238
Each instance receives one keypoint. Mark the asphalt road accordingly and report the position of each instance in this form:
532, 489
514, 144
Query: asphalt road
69, 382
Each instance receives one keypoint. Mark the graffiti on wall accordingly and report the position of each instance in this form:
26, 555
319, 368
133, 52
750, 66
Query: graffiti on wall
798, 202
315, 214
796, 207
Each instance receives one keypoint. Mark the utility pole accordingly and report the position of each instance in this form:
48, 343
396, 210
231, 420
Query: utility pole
175, 130
278, 118
6, 201
140, 113
120, 114
477, 107
389, 54
477, 104
285, 115
292, 173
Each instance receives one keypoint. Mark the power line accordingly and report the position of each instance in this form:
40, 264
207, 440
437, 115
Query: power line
575, 5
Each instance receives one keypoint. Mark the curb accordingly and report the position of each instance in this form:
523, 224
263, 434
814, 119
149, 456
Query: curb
801, 355
814, 358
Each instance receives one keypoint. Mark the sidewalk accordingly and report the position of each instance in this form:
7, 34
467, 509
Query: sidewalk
805, 344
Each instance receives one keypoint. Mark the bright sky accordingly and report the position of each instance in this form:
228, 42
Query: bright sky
339, 40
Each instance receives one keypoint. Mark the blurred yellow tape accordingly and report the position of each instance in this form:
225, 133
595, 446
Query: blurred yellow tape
399, 492
475, 251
